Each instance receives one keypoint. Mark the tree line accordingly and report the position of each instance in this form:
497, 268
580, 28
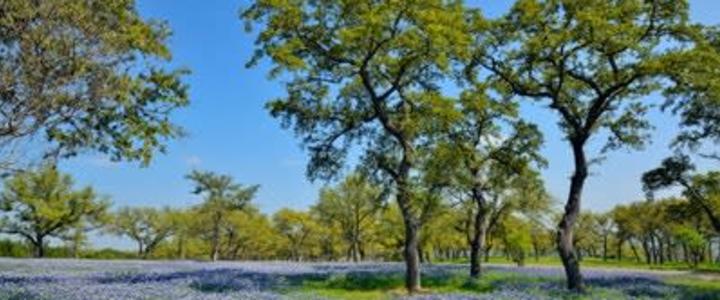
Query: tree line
350, 221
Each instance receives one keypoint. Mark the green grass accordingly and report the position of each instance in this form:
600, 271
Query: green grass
610, 263
389, 286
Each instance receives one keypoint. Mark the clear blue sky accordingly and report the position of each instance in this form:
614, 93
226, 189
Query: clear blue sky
231, 132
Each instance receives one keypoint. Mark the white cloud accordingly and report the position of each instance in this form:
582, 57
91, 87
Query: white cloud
102, 162
193, 161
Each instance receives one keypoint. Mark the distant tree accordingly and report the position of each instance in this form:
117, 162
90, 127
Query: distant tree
299, 230
594, 63
703, 190
147, 226
694, 243
184, 221
628, 227
222, 196
364, 74
541, 238
605, 228
248, 234
354, 207
440, 240
43, 203
516, 238
76, 238
86, 75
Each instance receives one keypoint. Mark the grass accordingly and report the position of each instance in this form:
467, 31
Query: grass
610, 263
368, 285
389, 286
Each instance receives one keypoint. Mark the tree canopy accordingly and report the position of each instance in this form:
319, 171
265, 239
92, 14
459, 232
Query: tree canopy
83, 75
593, 63
43, 203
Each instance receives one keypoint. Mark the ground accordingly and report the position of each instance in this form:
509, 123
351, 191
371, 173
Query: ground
90, 279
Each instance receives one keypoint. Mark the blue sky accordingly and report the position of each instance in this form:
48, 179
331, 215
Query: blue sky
232, 133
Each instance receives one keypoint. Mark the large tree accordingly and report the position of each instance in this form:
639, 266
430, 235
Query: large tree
366, 74
147, 226
85, 75
222, 196
353, 206
43, 203
593, 62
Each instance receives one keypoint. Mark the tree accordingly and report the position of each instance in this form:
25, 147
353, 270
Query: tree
703, 190
222, 196
694, 242
299, 229
605, 227
250, 235
484, 149
353, 206
593, 62
86, 75
516, 239
183, 221
147, 226
43, 203
696, 97
363, 74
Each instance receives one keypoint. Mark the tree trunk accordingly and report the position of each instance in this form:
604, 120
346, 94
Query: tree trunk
140, 249
634, 250
605, 247
477, 244
181, 247
356, 251
488, 247
411, 255
215, 243
39, 247
646, 250
565, 227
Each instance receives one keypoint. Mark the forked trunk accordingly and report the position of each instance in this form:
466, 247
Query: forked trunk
565, 245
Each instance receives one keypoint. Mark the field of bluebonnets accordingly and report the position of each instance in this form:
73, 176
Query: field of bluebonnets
94, 279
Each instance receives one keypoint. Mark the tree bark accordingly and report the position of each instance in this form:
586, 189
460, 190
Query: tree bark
477, 244
411, 255
605, 247
634, 250
39, 247
565, 227
488, 247
140, 249
410, 220
215, 243
646, 250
